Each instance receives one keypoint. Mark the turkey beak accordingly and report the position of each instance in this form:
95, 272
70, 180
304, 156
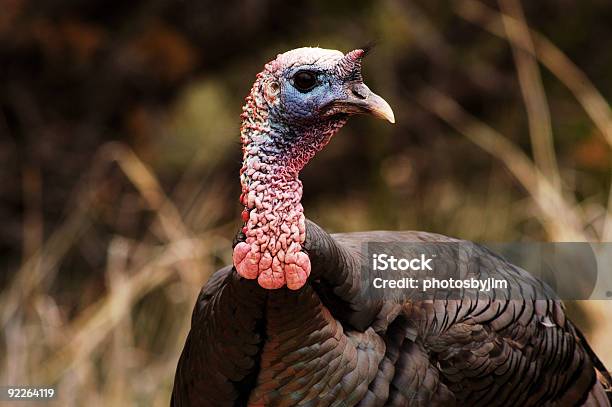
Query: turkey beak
361, 100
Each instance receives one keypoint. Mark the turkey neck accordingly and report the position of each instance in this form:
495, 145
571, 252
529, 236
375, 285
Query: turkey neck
274, 152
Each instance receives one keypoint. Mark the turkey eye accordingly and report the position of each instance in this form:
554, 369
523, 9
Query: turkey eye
305, 80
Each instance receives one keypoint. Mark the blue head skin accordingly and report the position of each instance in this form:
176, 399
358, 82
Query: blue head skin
316, 84
308, 94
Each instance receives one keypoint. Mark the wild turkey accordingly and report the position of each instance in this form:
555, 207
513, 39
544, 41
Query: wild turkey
291, 323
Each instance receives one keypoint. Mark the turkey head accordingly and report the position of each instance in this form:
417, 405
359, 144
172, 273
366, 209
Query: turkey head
297, 103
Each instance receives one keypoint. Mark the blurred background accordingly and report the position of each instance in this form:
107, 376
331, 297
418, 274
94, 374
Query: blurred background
119, 157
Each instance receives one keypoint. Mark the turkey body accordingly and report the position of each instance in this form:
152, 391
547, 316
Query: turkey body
331, 344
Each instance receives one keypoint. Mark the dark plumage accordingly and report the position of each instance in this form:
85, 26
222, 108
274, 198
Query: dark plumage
326, 341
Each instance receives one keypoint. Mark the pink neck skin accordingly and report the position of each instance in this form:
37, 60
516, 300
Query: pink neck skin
271, 194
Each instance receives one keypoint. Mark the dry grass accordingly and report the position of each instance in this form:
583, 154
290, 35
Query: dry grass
97, 356
559, 212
